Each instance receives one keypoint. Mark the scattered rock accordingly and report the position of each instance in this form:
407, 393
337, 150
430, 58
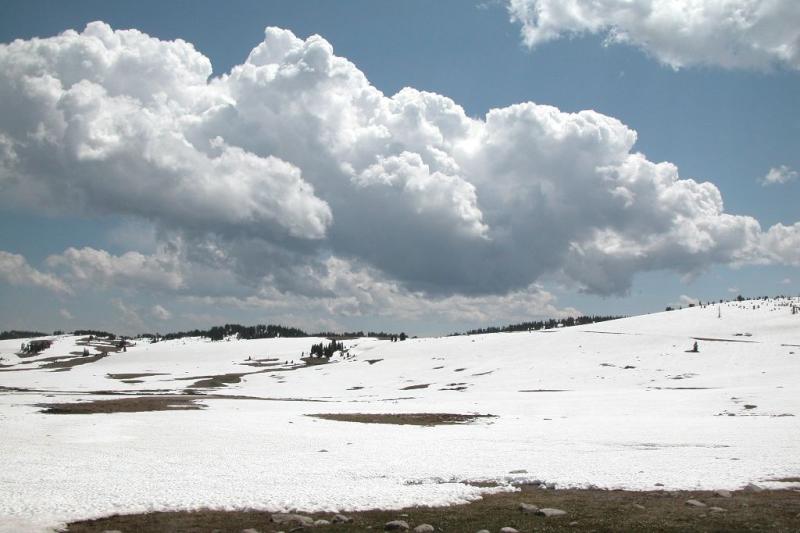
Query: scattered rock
518, 472
639, 506
484, 531
321, 522
508, 530
750, 406
659, 484
723, 493
695, 503
717, 510
341, 519
292, 519
250, 530
550, 486
396, 525
574, 523
424, 528
550, 512
528, 508
752, 487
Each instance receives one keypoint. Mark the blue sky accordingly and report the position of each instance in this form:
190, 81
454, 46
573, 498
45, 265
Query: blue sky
725, 124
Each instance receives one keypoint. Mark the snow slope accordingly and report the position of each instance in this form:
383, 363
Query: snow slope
616, 404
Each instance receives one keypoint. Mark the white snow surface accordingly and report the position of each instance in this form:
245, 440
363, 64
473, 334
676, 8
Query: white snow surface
672, 418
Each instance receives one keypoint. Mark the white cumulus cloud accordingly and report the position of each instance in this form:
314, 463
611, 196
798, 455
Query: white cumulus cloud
270, 176
15, 270
752, 34
778, 176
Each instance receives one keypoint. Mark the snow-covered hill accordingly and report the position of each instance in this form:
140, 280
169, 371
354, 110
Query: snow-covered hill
618, 404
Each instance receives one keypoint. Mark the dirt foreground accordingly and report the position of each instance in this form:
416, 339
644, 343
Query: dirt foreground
586, 510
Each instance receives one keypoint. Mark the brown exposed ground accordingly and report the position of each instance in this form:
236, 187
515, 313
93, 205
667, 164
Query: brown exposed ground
587, 510
135, 376
173, 402
415, 419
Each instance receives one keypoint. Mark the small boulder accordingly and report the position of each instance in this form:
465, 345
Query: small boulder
321, 522
396, 525
550, 512
341, 519
639, 506
508, 530
518, 472
527, 508
574, 523
484, 531
717, 510
424, 528
550, 486
722, 493
250, 530
695, 503
752, 487
292, 519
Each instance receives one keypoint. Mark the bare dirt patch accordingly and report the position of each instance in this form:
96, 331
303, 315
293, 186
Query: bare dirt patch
544, 390
403, 419
135, 375
713, 339
125, 405
67, 364
598, 510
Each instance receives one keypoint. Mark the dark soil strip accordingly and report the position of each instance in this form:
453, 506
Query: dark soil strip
135, 376
125, 405
711, 339
403, 419
414, 387
67, 364
593, 510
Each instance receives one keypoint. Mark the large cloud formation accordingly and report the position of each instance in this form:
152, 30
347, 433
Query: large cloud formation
292, 170
727, 33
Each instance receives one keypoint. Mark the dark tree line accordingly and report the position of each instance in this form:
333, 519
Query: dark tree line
321, 350
217, 333
382, 335
543, 324
17, 334
94, 333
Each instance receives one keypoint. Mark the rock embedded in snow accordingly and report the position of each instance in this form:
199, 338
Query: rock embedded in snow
695, 503
723, 493
396, 525
292, 519
752, 487
550, 512
424, 528
528, 508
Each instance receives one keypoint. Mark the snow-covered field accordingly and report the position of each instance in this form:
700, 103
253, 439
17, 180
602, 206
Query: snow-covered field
616, 404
